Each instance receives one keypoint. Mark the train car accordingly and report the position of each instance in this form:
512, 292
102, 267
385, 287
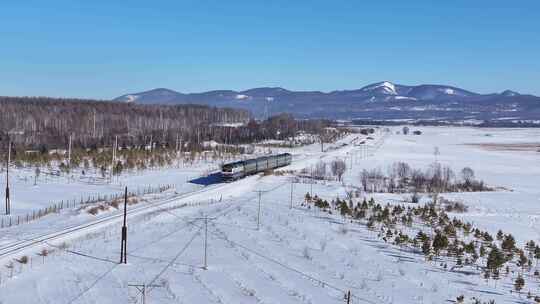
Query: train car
232, 171
262, 164
240, 169
250, 167
273, 162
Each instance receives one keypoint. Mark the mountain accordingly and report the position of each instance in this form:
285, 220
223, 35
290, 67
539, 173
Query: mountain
382, 100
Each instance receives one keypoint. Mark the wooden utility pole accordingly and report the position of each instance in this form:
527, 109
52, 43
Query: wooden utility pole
123, 244
8, 200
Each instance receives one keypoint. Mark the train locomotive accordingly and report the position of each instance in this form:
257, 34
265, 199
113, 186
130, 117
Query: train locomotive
242, 168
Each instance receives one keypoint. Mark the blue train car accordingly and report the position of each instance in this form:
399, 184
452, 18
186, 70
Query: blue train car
240, 169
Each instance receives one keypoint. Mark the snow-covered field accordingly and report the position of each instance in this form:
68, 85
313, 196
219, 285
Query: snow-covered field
28, 195
297, 255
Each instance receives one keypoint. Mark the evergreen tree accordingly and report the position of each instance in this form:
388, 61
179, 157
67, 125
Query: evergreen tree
509, 243
343, 208
426, 247
500, 235
495, 259
440, 242
519, 283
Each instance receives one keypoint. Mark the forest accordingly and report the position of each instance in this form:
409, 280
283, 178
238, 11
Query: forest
42, 129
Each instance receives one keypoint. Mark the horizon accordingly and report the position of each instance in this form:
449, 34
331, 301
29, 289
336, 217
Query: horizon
271, 87
103, 50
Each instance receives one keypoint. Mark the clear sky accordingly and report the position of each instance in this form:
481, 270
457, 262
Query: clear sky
103, 49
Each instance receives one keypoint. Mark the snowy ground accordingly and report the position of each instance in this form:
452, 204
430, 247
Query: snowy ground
297, 255
28, 195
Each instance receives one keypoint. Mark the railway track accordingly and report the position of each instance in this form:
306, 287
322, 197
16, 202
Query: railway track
24, 245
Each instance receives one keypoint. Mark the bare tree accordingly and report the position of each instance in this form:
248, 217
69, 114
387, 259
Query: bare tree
338, 167
467, 174
403, 171
320, 170
364, 177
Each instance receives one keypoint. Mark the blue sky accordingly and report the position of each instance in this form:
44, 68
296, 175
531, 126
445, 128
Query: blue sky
100, 49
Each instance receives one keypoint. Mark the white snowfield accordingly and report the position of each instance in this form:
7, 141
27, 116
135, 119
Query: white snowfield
297, 255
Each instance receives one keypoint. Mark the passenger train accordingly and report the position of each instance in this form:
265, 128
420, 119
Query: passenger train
239, 169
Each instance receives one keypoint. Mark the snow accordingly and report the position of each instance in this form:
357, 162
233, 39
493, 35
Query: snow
404, 97
449, 91
131, 98
241, 96
298, 255
386, 86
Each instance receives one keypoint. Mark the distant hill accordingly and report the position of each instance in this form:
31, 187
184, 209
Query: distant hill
383, 100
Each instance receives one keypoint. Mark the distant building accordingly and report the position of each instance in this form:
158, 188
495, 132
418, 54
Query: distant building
57, 152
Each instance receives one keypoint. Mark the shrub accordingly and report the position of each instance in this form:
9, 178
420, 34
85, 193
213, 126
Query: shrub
23, 260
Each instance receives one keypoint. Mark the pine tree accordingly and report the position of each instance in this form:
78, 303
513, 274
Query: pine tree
509, 243
522, 261
500, 235
440, 242
343, 208
495, 259
426, 247
519, 284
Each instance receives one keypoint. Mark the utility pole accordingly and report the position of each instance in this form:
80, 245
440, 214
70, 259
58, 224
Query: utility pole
115, 147
94, 132
311, 183
205, 267
8, 200
260, 192
123, 244
69, 152
205, 219
142, 288
292, 184
348, 297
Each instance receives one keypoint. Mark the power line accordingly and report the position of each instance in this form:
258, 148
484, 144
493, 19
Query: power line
154, 241
93, 284
324, 283
320, 281
86, 255
174, 259
116, 264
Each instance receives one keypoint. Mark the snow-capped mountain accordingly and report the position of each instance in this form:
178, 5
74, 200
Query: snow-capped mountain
158, 96
382, 99
381, 88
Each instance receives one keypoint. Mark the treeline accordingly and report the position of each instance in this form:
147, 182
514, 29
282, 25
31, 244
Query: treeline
42, 124
401, 177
